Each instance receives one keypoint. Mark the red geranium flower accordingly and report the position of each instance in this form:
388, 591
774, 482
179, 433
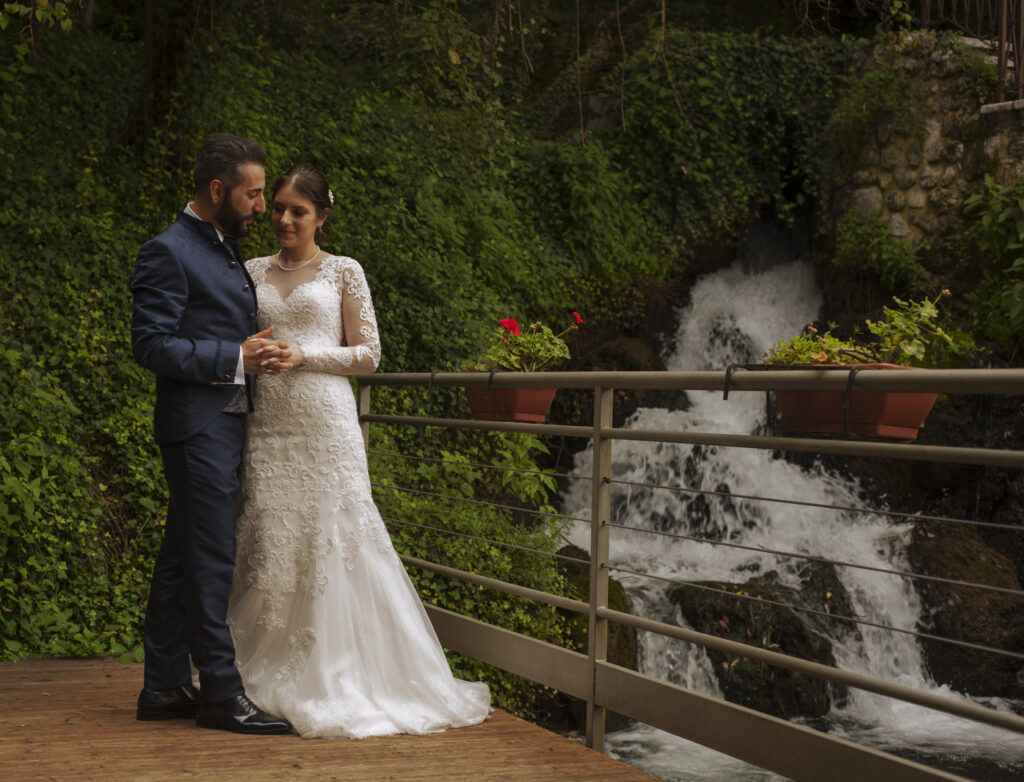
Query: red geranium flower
579, 318
510, 325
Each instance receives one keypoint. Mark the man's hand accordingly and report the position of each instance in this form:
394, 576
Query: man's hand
263, 355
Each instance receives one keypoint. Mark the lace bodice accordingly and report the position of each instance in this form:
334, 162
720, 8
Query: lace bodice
330, 317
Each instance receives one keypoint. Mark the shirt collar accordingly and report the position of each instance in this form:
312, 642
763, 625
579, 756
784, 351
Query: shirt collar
191, 213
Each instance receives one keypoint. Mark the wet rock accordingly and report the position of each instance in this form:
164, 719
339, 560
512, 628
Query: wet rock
969, 614
898, 226
622, 647
917, 198
926, 221
869, 155
953, 152
895, 200
622, 641
883, 131
867, 198
763, 624
928, 178
905, 178
891, 157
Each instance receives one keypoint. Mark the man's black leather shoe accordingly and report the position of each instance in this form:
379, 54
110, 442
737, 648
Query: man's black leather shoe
240, 715
179, 703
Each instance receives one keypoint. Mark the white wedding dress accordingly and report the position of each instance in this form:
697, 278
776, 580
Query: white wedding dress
329, 631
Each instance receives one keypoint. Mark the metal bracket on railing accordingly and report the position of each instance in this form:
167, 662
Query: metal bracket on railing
430, 383
846, 398
491, 394
728, 377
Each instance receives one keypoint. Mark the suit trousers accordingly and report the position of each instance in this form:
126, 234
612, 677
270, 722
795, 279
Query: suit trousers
191, 586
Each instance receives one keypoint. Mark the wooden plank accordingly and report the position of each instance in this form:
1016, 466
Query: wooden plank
75, 720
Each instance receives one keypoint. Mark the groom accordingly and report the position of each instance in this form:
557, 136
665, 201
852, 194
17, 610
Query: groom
193, 318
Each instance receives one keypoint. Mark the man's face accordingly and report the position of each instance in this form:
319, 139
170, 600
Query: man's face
243, 203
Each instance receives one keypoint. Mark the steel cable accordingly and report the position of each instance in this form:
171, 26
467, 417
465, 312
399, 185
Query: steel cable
825, 614
805, 503
812, 558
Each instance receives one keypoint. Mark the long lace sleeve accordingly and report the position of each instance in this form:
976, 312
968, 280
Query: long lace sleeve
359, 352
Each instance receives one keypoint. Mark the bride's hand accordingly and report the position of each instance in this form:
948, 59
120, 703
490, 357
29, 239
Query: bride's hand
298, 358
280, 356
262, 355
253, 350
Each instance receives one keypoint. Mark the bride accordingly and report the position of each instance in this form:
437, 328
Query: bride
328, 629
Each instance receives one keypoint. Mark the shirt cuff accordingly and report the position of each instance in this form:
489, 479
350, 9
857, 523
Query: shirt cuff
239, 372
240, 369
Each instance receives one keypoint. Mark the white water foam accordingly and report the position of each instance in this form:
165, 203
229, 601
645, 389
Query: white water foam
735, 315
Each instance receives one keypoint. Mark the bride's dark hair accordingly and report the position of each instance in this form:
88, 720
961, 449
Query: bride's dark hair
310, 184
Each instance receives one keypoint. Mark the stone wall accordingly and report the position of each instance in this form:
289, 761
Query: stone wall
917, 179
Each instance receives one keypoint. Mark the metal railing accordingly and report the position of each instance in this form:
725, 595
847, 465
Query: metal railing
1000, 21
793, 750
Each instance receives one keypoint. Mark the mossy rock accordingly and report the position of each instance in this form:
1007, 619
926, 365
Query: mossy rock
964, 613
752, 622
622, 643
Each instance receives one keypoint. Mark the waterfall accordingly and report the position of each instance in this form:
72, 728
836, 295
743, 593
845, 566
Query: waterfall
734, 316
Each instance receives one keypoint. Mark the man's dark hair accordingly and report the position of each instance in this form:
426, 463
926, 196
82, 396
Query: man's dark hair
222, 156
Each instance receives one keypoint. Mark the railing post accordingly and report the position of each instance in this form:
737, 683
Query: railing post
364, 409
1018, 34
1002, 57
600, 515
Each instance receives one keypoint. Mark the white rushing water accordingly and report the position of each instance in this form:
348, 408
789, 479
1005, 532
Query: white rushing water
735, 315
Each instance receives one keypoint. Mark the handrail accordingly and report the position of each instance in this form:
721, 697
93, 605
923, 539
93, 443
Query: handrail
934, 453
602, 686
940, 381
777, 659
998, 21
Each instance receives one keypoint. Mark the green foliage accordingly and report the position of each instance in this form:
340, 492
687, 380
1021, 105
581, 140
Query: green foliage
998, 233
24, 16
908, 334
878, 94
530, 351
977, 69
79, 486
719, 128
870, 257
898, 15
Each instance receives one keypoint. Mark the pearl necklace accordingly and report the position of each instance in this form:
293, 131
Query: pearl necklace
284, 268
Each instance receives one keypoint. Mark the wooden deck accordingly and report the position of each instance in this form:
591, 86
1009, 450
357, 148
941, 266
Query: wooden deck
75, 720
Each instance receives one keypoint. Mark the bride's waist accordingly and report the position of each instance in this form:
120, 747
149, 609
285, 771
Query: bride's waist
312, 380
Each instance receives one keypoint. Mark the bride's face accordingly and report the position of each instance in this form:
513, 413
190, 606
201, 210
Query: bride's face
294, 219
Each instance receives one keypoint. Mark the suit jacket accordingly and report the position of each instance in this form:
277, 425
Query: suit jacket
193, 305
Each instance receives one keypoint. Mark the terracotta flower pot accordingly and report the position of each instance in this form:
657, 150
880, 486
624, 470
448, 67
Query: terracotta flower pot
509, 404
897, 415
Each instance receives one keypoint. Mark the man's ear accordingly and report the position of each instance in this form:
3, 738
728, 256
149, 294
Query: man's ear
218, 191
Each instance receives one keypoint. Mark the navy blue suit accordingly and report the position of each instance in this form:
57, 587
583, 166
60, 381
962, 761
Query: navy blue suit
193, 305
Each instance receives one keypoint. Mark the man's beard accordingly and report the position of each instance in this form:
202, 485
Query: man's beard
230, 220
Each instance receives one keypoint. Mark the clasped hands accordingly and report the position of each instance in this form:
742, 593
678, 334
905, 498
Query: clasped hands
263, 355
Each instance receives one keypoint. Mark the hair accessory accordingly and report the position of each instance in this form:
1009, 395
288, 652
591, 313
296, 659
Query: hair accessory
330, 196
